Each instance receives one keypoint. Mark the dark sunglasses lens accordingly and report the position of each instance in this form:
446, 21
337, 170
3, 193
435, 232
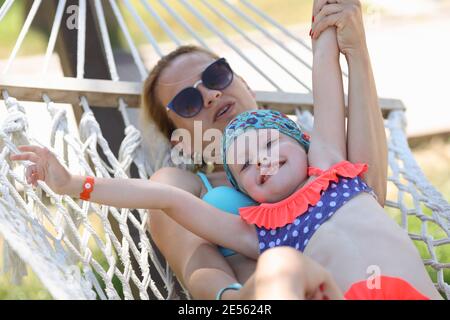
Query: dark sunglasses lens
188, 103
218, 76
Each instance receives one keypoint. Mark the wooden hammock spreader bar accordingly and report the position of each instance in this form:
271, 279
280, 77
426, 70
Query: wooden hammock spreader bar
106, 93
101, 93
287, 102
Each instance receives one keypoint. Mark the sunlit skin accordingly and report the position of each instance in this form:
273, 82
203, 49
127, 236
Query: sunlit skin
271, 170
184, 72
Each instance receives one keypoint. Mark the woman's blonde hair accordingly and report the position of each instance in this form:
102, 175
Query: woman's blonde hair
152, 107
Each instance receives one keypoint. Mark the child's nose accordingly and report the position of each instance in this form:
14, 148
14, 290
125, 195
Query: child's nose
264, 163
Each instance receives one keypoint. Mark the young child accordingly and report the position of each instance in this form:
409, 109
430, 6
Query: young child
325, 210
296, 200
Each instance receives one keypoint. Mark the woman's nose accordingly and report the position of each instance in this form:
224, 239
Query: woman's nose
210, 96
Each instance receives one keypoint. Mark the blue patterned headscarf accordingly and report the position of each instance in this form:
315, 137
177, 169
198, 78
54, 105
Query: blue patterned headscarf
259, 119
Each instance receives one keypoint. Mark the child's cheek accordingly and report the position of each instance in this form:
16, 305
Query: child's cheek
258, 195
252, 190
246, 185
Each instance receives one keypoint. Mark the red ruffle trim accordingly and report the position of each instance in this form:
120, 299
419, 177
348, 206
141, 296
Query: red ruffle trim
275, 215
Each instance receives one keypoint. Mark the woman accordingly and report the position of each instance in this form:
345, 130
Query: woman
198, 264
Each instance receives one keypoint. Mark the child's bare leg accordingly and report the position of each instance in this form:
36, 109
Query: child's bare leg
284, 273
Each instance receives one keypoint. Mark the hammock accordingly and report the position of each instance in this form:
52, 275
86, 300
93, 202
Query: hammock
81, 250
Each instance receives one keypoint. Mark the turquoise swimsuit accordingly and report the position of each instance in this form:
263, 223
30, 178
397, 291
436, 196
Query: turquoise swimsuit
226, 199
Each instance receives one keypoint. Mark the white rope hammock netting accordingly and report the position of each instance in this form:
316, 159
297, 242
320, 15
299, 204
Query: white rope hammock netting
71, 245
81, 250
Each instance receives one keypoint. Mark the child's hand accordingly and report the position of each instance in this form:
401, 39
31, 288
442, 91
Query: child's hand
326, 43
45, 167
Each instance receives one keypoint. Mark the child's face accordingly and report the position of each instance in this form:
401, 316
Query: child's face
270, 167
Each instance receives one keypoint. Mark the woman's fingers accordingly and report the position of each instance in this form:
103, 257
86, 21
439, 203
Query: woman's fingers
318, 4
328, 21
330, 291
326, 11
319, 282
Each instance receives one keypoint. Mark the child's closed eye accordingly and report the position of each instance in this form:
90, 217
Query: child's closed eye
245, 166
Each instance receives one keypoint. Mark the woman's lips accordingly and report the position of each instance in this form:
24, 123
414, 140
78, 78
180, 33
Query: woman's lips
220, 114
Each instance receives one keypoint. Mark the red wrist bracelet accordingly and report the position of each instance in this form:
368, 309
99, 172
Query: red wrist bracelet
88, 187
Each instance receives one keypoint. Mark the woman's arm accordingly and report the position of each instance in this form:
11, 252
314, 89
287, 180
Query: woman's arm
328, 144
366, 137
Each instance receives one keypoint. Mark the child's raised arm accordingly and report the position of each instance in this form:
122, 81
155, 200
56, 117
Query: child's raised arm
328, 144
194, 214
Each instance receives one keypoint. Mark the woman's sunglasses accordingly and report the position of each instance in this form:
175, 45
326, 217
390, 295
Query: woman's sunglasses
189, 101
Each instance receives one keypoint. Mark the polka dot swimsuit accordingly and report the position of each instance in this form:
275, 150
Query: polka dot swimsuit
298, 233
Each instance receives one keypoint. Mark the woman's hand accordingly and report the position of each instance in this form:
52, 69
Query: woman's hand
319, 284
346, 16
45, 167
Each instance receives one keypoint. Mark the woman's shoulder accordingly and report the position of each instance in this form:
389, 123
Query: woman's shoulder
179, 178
218, 178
